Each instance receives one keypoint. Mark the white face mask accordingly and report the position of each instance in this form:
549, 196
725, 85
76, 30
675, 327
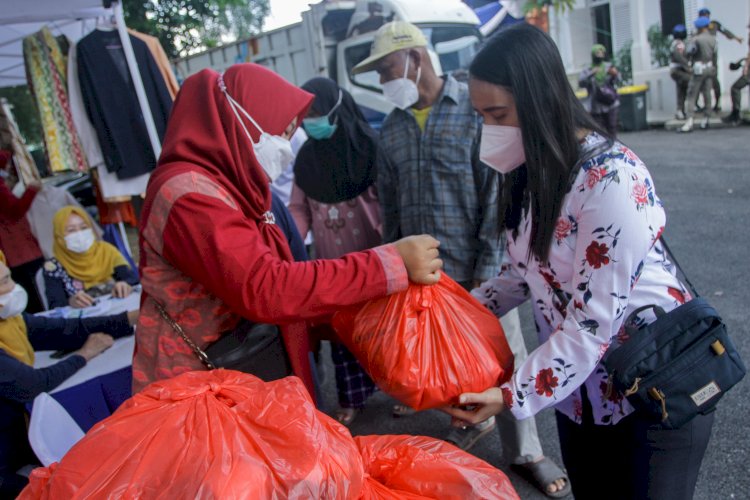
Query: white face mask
80, 241
274, 153
13, 302
403, 92
502, 148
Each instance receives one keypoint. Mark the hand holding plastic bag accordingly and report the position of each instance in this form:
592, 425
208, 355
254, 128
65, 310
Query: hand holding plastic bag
427, 345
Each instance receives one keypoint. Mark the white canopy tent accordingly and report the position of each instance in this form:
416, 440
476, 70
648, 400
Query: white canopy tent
73, 18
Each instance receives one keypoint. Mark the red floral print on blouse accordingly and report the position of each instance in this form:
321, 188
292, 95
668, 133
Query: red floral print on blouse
597, 254
545, 382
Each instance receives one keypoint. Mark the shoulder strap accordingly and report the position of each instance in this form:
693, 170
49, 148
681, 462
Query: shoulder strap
679, 267
177, 328
564, 299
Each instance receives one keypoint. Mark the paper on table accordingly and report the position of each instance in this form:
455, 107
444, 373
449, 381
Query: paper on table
119, 356
106, 305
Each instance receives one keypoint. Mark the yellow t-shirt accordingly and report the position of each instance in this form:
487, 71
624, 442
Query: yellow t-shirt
421, 116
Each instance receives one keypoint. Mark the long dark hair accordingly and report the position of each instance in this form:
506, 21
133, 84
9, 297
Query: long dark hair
525, 61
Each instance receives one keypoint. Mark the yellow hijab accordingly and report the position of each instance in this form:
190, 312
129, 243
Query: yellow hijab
93, 267
13, 337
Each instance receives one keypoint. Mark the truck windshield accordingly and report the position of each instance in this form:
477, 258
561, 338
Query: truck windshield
452, 48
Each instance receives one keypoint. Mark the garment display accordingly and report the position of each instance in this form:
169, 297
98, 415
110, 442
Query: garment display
110, 185
11, 139
46, 70
111, 103
161, 59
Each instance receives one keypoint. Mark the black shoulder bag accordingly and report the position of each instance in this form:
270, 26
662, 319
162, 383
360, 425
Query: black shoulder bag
678, 366
254, 348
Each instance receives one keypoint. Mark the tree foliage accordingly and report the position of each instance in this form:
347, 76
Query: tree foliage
25, 112
660, 46
185, 25
557, 5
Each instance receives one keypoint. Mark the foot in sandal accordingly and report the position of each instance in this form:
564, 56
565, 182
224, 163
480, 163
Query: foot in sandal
346, 416
545, 475
400, 410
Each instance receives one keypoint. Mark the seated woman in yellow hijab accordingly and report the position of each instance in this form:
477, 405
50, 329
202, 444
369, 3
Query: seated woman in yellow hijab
20, 382
84, 266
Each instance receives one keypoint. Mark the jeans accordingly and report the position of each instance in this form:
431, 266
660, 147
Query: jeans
635, 459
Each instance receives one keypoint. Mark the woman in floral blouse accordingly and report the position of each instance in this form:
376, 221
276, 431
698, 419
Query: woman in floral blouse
582, 222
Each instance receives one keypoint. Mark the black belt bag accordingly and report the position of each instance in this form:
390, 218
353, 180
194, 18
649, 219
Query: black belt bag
254, 348
678, 366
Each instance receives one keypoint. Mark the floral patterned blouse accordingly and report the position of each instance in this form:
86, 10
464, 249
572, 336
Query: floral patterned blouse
605, 262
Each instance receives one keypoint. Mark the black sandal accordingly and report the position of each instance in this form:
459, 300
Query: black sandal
542, 474
346, 416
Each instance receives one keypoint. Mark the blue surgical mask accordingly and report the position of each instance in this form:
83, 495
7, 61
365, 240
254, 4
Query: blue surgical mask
320, 127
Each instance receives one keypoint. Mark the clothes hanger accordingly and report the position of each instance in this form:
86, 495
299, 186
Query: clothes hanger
106, 23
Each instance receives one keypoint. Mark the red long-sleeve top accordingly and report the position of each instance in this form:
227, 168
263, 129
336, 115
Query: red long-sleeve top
209, 265
16, 240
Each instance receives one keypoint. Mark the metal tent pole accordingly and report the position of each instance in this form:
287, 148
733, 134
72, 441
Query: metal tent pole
136, 76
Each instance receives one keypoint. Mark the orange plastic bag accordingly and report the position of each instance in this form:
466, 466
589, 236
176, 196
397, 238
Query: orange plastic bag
210, 434
406, 467
427, 345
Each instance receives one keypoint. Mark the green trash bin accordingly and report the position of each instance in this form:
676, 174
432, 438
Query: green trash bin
632, 115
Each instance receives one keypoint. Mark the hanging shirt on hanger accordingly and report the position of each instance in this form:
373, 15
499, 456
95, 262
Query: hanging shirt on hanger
161, 60
110, 186
11, 139
46, 73
112, 105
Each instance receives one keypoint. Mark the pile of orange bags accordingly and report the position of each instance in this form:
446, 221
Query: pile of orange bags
226, 434
427, 345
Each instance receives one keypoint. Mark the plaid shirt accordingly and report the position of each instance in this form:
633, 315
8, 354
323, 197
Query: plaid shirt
433, 182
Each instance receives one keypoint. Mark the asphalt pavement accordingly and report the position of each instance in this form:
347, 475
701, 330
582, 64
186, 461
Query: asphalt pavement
703, 179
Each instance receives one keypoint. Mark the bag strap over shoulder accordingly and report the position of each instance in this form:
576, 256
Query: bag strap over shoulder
177, 328
678, 266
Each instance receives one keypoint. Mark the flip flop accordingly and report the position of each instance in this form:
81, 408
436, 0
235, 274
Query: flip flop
403, 411
346, 416
541, 474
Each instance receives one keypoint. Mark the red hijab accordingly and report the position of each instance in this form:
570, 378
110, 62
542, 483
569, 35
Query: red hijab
204, 135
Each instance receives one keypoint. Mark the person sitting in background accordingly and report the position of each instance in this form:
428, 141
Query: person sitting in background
20, 383
679, 67
334, 196
16, 239
83, 267
600, 81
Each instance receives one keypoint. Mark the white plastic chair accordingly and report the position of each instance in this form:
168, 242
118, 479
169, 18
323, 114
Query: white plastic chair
52, 431
41, 288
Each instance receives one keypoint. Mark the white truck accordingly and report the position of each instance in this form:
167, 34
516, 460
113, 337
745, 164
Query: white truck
334, 36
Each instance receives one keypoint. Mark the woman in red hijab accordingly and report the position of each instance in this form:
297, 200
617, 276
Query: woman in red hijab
210, 251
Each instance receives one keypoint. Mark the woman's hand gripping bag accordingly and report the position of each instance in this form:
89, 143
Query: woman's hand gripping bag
210, 434
412, 467
427, 345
